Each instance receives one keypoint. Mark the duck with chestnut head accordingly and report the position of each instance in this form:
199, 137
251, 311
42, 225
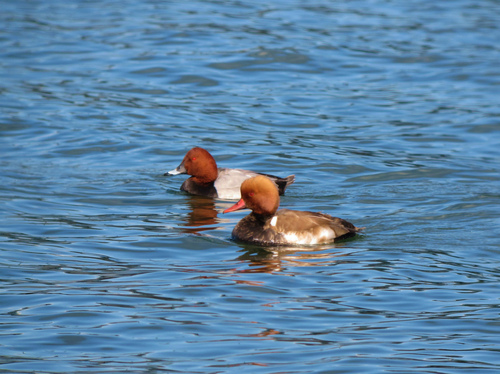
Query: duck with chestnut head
209, 180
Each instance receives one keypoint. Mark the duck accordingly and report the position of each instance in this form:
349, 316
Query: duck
268, 226
224, 183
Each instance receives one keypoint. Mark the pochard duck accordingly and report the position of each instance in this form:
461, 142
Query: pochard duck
268, 226
208, 180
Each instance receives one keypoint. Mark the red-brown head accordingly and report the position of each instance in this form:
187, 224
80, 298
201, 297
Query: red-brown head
259, 194
199, 163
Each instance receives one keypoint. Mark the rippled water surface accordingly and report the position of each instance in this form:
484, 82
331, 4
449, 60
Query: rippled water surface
387, 113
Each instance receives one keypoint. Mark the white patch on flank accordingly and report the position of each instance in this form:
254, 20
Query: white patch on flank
302, 238
306, 238
326, 234
228, 182
274, 220
228, 193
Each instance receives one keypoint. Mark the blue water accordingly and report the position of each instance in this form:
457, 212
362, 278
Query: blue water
387, 113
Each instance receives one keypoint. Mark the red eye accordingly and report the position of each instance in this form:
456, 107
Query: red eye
194, 158
251, 194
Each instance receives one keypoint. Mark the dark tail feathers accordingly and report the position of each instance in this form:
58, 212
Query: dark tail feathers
282, 183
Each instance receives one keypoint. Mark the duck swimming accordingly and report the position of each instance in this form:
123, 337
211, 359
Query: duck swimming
208, 180
268, 226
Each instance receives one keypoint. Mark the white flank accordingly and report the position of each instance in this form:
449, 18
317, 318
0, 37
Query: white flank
228, 194
325, 235
228, 182
274, 220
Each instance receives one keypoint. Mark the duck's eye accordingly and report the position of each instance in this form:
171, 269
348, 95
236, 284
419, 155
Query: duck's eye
194, 159
251, 194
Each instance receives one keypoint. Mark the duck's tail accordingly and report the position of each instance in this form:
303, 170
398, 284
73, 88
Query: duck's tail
283, 183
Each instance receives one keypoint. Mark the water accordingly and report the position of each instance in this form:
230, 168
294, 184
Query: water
386, 112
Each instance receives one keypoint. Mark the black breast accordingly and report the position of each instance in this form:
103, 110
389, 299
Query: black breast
251, 230
194, 188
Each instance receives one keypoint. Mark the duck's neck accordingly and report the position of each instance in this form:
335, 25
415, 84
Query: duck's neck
204, 180
262, 217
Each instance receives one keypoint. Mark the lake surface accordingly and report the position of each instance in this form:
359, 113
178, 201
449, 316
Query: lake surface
387, 113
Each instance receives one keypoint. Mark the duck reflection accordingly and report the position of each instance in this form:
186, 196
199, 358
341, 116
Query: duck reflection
261, 260
266, 333
201, 215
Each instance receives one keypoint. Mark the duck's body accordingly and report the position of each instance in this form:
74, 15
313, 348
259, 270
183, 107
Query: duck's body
268, 226
208, 180
294, 227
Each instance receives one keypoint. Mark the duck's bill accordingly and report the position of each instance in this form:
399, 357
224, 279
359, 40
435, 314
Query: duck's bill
178, 170
173, 172
239, 205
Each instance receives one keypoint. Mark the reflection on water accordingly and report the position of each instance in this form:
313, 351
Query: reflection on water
201, 214
271, 260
